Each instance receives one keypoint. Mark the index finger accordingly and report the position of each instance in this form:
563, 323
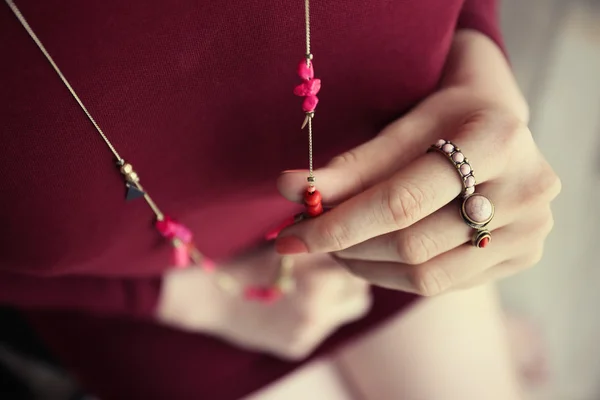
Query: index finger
413, 193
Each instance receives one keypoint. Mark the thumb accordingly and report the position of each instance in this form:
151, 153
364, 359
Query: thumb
354, 171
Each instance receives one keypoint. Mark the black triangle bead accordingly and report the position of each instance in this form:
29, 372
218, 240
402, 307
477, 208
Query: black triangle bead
133, 192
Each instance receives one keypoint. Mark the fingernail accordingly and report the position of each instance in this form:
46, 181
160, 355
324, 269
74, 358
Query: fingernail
288, 171
290, 245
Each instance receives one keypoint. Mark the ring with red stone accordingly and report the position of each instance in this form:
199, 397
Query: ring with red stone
460, 162
481, 238
478, 211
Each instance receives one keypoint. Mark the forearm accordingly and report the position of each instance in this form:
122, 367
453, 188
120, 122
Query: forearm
475, 61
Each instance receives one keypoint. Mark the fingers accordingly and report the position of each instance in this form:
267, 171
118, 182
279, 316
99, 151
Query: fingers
329, 300
438, 274
358, 169
438, 233
413, 193
515, 247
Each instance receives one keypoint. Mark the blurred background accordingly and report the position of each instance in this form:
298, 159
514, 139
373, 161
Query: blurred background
555, 50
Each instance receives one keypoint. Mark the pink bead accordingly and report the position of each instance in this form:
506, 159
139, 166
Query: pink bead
470, 181
440, 143
170, 229
308, 88
181, 256
306, 71
448, 148
310, 103
208, 264
458, 157
465, 169
182, 233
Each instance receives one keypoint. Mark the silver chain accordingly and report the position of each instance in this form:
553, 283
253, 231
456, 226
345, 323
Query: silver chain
120, 161
308, 60
307, 21
37, 41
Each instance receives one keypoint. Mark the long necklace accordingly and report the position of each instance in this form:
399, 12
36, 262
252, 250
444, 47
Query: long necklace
309, 89
180, 237
185, 252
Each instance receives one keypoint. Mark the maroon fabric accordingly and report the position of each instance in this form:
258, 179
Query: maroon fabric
198, 97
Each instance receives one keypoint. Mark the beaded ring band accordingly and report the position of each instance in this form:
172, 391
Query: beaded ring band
476, 210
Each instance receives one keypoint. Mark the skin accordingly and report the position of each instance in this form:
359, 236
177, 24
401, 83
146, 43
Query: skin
395, 223
326, 296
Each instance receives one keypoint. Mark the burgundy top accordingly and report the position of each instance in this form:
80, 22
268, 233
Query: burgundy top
197, 95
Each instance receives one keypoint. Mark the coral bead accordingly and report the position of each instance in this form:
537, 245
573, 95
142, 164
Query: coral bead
310, 103
308, 88
306, 71
315, 211
166, 227
312, 199
262, 294
484, 242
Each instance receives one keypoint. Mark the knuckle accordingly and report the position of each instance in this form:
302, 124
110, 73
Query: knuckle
348, 157
351, 158
546, 225
365, 305
415, 249
511, 131
513, 136
550, 185
533, 257
334, 236
360, 309
541, 187
542, 225
429, 282
403, 203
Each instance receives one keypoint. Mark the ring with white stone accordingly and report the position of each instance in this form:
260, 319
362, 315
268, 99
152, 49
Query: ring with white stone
460, 162
476, 210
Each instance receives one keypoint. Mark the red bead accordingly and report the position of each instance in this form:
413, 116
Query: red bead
262, 294
312, 199
484, 242
315, 211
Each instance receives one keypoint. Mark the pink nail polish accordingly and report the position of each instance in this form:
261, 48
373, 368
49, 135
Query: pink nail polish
289, 171
290, 245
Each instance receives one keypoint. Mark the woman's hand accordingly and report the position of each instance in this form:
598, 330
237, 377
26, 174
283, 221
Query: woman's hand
396, 224
326, 296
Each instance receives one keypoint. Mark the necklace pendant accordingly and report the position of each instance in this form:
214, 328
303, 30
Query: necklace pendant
133, 192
